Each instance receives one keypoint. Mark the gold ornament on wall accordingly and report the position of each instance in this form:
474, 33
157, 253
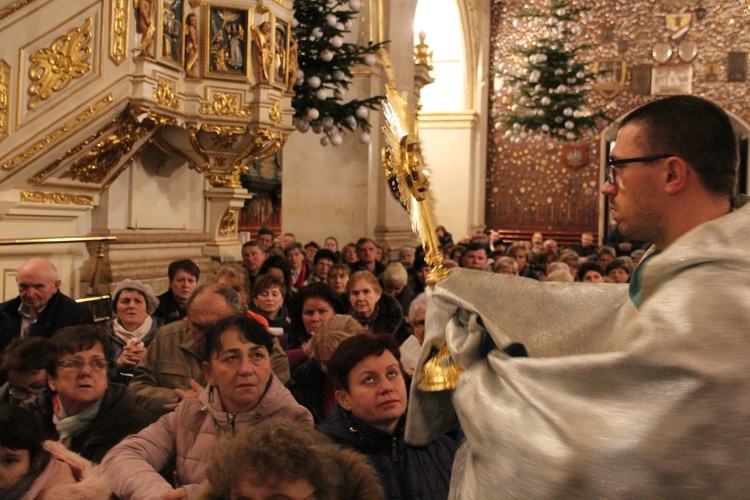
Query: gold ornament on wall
4, 87
164, 94
224, 136
118, 44
274, 114
54, 67
40, 145
225, 105
57, 198
228, 224
96, 164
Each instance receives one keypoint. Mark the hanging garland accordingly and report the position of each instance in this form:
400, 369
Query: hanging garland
325, 71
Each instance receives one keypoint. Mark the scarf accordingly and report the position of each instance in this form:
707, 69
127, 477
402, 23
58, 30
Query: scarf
369, 321
138, 333
69, 427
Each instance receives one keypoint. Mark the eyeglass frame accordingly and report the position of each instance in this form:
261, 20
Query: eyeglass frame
75, 365
17, 392
609, 172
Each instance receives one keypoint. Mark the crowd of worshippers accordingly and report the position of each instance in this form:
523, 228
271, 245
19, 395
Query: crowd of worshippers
295, 338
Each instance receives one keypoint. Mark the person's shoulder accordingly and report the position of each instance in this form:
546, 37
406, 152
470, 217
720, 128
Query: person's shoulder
177, 331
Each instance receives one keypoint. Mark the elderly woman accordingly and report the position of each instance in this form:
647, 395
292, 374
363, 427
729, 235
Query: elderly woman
312, 305
370, 416
242, 390
311, 385
412, 346
81, 409
395, 283
376, 311
281, 460
132, 328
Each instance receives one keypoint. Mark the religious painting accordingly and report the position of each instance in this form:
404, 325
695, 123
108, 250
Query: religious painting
226, 46
672, 80
737, 67
281, 47
640, 79
171, 48
610, 76
712, 71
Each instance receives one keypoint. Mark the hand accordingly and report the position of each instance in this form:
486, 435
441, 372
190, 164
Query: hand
178, 493
131, 356
170, 406
192, 393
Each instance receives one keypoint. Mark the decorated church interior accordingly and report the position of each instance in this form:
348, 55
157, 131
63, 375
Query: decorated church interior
374, 249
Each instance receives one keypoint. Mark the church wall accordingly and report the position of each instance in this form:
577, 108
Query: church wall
528, 187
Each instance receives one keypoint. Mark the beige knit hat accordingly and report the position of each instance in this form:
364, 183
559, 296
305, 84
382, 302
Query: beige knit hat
151, 301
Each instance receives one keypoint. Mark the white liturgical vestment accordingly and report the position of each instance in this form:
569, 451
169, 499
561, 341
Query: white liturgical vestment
611, 402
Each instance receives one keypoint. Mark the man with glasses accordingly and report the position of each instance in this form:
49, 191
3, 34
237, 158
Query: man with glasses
639, 390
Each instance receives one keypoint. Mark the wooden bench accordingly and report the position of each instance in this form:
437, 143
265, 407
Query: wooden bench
563, 238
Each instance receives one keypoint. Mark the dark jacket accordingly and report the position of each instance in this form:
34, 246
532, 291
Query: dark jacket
125, 375
169, 310
118, 417
308, 388
405, 471
360, 266
60, 311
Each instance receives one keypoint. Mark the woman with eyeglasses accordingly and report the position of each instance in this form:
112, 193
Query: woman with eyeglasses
412, 346
81, 409
23, 365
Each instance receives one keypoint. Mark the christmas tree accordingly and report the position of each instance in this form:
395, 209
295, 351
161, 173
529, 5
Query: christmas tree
549, 94
325, 70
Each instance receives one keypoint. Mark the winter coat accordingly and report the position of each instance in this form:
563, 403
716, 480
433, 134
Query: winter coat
171, 361
68, 476
405, 471
390, 318
125, 375
118, 417
184, 438
60, 311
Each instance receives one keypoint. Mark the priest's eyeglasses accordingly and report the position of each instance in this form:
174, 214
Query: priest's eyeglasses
610, 171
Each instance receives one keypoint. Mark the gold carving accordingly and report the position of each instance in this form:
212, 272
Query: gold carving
157, 119
4, 83
13, 8
275, 113
57, 198
228, 222
118, 44
164, 95
224, 136
195, 3
96, 164
54, 67
264, 9
52, 137
225, 105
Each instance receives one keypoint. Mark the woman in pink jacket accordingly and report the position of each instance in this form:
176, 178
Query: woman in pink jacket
242, 390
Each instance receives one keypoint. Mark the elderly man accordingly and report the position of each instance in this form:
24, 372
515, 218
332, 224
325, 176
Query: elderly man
40, 308
171, 370
610, 402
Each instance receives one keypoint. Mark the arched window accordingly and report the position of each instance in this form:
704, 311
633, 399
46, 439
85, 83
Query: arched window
441, 21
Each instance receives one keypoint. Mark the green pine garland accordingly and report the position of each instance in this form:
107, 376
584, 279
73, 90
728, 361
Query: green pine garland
325, 70
549, 95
